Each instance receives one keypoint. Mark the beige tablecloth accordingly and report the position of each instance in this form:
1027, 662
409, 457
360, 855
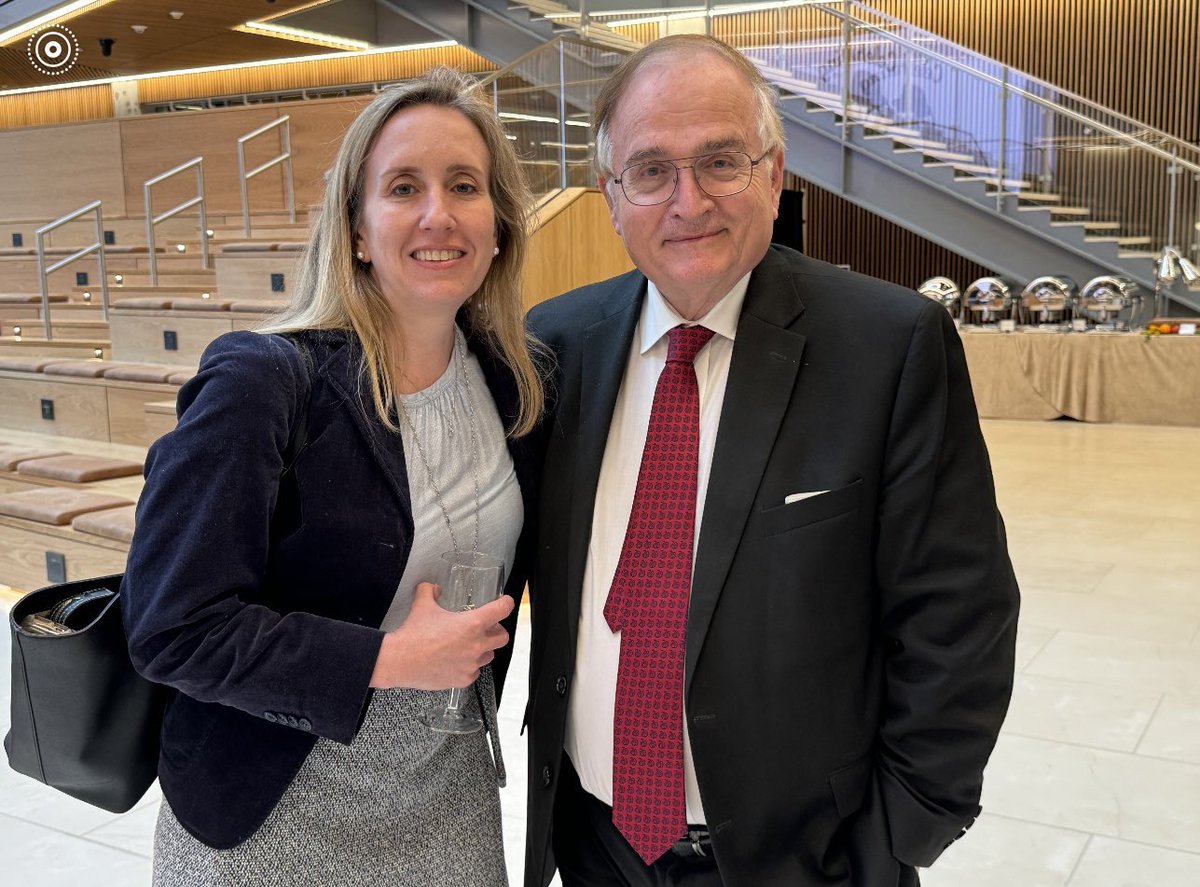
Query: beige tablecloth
1094, 377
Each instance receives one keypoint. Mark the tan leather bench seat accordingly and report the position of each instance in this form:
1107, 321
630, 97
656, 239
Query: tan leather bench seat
79, 469
27, 298
111, 523
200, 304
81, 369
181, 377
145, 372
29, 364
56, 506
11, 456
258, 306
149, 303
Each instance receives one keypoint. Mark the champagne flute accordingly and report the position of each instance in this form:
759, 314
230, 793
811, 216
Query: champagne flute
472, 579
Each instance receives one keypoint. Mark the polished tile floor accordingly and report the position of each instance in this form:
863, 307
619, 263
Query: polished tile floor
1096, 779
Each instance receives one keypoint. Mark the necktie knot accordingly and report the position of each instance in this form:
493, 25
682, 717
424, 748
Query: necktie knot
685, 342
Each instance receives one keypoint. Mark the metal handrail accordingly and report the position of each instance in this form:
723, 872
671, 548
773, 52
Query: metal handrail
284, 157
1075, 97
557, 53
196, 163
1004, 83
96, 246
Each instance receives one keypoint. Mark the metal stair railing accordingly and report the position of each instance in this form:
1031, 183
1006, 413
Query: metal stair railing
96, 246
545, 99
1131, 190
284, 158
1033, 138
196, 163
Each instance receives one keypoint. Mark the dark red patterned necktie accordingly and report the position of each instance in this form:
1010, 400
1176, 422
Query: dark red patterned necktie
648, 604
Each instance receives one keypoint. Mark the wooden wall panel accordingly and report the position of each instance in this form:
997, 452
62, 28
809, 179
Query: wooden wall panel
374, 68
57, 106
575, 247
317, 129
152, 145
50, 172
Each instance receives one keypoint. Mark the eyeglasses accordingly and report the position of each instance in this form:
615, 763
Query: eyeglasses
718, 175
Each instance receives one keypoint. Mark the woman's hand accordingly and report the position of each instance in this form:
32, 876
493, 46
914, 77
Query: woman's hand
436, 649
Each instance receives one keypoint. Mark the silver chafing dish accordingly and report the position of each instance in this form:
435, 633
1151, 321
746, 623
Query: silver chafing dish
1048, 300
987, 300
1109, 302
944, 291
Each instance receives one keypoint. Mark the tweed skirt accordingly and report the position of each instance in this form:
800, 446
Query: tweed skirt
401, 805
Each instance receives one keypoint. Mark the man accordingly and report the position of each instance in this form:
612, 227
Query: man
774, 618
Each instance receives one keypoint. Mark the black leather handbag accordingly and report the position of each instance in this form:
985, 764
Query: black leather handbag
83, 721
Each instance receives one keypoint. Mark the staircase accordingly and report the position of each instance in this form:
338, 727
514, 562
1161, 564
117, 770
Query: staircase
996, 165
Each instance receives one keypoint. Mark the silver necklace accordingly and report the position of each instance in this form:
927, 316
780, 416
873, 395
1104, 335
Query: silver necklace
460, 383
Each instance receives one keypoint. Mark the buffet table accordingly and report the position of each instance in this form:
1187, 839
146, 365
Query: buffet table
1094, 377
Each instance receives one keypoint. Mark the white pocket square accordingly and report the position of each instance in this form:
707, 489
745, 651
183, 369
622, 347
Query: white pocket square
796, 497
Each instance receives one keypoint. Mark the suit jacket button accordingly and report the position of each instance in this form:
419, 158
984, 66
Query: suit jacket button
546, 775
270, 716
561, 686
305, 724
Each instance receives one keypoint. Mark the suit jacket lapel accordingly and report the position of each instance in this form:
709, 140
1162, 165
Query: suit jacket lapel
604, 353
762, 376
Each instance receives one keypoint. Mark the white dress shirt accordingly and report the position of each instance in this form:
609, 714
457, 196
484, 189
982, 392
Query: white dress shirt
589, 737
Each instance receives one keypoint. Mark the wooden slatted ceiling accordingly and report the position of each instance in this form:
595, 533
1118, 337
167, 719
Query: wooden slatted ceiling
93, 103
322, 72
202, 37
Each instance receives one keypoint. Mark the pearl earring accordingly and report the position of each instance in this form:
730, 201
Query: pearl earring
360, 255
495, 251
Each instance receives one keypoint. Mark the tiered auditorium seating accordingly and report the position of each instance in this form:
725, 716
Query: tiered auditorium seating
60, 516
101, 400
55, 534
248, 270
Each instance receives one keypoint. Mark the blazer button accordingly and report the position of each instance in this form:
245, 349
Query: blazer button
561, 686
270, 716
546, 776
305, 724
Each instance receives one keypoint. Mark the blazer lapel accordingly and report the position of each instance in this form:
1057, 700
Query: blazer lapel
762, 376
341, 370
604, 353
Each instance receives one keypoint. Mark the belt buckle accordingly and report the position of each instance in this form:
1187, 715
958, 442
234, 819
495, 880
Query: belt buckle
695, 843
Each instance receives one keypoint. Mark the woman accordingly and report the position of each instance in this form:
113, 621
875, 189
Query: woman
290, 524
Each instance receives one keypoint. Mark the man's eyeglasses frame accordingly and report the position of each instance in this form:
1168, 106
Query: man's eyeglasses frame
692, 166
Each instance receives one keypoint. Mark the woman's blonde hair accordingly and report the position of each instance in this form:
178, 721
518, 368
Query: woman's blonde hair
335, 291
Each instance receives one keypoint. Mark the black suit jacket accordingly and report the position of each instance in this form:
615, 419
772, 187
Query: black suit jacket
257, 594
850, 655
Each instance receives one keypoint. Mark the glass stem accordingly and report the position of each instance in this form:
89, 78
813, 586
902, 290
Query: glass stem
455, 700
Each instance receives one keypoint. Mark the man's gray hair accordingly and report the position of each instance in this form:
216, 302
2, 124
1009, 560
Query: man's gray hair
770, 126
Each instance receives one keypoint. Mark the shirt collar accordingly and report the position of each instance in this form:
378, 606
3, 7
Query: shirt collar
659, 318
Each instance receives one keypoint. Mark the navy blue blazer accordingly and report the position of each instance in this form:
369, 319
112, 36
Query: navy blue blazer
258, 593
